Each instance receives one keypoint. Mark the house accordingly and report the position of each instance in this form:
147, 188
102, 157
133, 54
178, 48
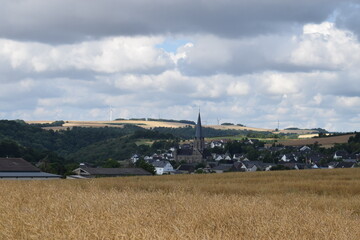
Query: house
341, 154
186, 168
219, 144
227, 157
211, 164
135, 158
292, 165
290, 157
263, 166
18, 168
238, 156
314, 158
238, 167
222, 168
218, 157
147, 158
162, 167
90, 172
305, 149
345, 165
252, 141
332, 165
249, 166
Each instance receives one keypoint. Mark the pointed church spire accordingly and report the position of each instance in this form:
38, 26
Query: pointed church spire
198, 129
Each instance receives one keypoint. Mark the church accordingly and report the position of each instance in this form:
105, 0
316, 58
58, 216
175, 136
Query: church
196, 153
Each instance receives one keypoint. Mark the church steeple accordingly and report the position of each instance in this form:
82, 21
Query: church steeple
198, 129
199, 141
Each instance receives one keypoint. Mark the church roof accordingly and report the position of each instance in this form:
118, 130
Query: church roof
198, 129
185, 151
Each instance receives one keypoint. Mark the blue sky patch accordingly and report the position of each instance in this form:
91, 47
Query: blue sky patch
171, 45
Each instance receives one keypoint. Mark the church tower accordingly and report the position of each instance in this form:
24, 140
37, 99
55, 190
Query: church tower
199, 141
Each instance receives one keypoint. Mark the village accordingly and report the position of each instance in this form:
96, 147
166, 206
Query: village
196, 156
211, 157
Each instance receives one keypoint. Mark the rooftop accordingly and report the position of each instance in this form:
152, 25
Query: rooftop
16, 165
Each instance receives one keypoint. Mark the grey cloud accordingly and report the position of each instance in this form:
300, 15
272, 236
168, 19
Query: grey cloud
348, 16
241, 56
59, 21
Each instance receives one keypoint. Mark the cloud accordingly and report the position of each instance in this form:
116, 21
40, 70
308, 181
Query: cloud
60, 21
325, 46
250, 62
110, 55
348, 16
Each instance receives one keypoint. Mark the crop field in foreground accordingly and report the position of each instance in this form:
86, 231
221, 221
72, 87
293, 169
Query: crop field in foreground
313, 204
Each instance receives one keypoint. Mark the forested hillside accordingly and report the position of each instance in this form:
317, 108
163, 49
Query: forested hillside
60, 151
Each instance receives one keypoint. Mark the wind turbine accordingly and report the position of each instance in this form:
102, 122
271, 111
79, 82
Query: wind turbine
110, 113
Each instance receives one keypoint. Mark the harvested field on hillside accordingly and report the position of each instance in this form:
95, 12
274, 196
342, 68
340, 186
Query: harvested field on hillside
235, 127
313, 204
325, 142
117, 123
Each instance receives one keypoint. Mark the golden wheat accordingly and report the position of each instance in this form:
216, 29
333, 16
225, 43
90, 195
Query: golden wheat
314, 204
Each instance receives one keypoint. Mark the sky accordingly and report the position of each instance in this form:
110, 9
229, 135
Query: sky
255, 62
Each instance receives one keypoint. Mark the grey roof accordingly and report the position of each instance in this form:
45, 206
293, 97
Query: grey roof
198, 129
342, 153
16, 165
224, 167
185, 151
187, 167
237, 165
28, 175
116, 171
160, 164
345, 165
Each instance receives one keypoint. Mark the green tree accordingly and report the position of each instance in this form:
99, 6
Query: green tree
141, 163
110, 163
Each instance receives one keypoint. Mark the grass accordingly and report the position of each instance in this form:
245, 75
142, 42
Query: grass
314, 204
148, 142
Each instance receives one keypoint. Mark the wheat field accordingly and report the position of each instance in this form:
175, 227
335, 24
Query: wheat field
313, 204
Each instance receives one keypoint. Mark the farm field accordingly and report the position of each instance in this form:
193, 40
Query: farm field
313, 204
117, 123
325, 141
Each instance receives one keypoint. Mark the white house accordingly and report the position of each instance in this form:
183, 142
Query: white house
249, 166
162, 167
341, 154
219, 144
134, 158
289, 158
218, 158
305, 148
